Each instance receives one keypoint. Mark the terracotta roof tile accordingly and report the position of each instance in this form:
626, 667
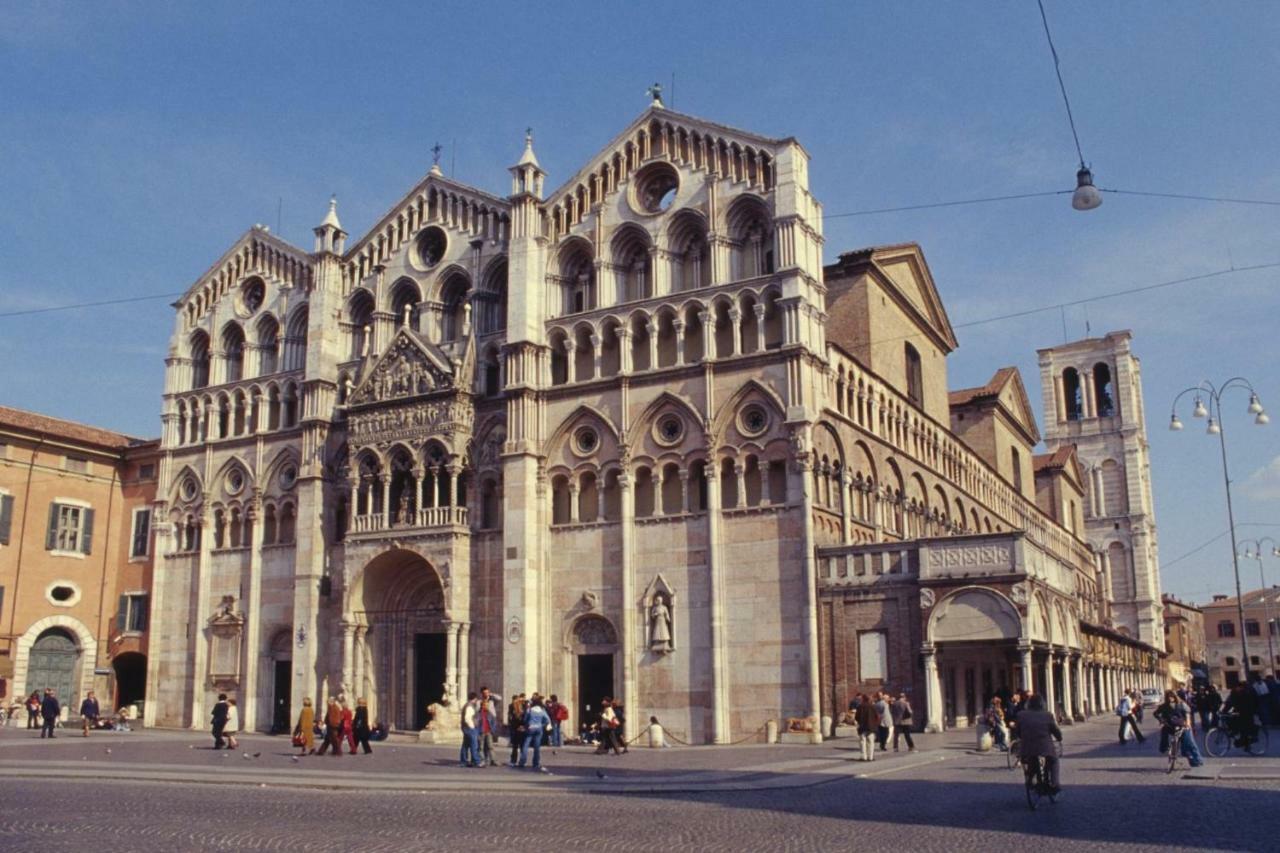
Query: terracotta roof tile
22, 420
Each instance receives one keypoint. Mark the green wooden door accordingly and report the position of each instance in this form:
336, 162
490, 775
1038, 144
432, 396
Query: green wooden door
53, 662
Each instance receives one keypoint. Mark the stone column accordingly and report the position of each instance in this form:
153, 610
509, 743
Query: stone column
348, 657
932, 689
708, 335
573, 501
253, 618
464, 668
203, 610
759, 311
1024, 650
846, 531
570, 348
630, 638
802, 462
1081, 690
358, 672
354, 509
678, 325
740, 473
1068, 710
715, 572
595, 356
652, 328
451, 658
624, 349
387, 514
454, 471
735, 317
419, 480
1050, 690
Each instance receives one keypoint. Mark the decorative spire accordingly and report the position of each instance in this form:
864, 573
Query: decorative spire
655, 92
528, 158
435, 159
331, 218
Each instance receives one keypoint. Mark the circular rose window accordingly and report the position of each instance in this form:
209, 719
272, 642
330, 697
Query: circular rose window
235, 482
252, 294
585, 440
430, 247
189, 489
288, 476
669, 429
753, 420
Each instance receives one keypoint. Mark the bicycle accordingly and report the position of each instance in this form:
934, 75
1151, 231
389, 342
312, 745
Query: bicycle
1036, 780
1219, 739
1175, 747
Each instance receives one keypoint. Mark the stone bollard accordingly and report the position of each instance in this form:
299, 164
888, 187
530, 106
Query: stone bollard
657, 738
985, 741
771, 731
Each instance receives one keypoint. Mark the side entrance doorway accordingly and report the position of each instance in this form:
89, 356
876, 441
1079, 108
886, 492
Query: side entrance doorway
281, 707
595, 682
428, 675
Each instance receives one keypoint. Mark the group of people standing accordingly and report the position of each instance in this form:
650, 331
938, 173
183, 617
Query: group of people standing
340, 723
877, 717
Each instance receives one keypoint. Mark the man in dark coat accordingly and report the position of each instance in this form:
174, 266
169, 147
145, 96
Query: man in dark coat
89, 713
1038, 730
220, 711
49, 711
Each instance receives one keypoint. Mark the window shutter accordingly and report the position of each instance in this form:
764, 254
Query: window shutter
51, 538
144, 533
86, 531
123, 613
6, 518
142, 607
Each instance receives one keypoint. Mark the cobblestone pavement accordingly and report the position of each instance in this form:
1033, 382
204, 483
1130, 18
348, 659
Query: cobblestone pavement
1114, 799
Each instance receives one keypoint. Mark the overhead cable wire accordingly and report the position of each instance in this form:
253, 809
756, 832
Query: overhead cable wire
27, 311
1063, 86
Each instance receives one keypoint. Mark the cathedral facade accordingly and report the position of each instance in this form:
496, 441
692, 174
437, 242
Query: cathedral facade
622, 438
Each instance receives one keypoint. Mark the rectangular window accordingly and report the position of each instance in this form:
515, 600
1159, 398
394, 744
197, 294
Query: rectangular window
70, 528
1231, 661
873, 656
1252, 628
132, 613
6, 518
1226, 629
76, 463
147, 472
141, 542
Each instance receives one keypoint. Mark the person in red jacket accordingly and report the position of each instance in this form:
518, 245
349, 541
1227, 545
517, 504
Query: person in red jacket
348, 727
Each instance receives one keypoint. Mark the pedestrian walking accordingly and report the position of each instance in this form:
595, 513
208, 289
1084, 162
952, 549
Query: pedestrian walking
219, 720
332, 729
348, 727
33, 710
886, 720
1124, 710
868, 724
469, 755
536, 723
233, 725
902, 722
620, 730
488, 725
515, 726
88, 713
304, 734
49, 711
608, 728
360, 727
559, 714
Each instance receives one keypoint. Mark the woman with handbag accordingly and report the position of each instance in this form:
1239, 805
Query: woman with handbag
304, 735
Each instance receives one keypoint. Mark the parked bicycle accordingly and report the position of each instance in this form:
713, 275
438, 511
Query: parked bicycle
1229, 731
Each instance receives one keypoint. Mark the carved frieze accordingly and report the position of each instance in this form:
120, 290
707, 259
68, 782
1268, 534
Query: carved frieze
410, 421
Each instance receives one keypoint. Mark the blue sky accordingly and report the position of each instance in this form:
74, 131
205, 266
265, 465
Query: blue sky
137, 141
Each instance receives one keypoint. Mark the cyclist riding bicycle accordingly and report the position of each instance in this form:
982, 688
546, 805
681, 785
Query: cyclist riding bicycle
1037, 730
1174, 715
1239, 711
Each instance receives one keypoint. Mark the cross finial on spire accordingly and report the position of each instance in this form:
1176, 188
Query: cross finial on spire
435, 158
528, 134
655, 92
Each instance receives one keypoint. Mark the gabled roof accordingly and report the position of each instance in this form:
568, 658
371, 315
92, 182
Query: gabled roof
902, 270
661, 114
1006, 391
431, 179
1064, 459
20, 420
257, 234
405, 342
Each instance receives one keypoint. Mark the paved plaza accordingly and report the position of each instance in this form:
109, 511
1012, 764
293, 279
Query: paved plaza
165, 790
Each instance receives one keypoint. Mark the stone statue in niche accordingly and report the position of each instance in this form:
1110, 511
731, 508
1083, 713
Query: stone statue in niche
405, 513
660, 624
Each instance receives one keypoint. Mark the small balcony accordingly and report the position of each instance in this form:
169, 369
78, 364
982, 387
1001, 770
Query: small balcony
422, 519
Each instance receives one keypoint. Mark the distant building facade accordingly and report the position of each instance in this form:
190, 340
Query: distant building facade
627, 437
75, 559
1223, 632
1184, 641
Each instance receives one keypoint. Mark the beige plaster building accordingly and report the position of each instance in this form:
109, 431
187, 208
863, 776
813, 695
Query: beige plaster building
1223, 631
75, 559
625, 437
1184, 641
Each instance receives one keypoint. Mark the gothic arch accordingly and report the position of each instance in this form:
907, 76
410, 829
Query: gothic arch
729, 408
584, 411
973, 613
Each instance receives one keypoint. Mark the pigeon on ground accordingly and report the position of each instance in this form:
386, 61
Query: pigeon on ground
257, 755
293, 758
246, 756
600, 774
108, 750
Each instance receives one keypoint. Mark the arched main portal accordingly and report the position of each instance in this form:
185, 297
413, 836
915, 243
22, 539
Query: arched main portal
54, 662
976, 632
401, 655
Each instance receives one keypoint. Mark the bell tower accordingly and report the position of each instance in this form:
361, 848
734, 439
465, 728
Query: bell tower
1092, 391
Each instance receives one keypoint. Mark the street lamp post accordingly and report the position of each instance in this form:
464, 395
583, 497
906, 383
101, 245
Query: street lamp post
1266, 602
1214, 413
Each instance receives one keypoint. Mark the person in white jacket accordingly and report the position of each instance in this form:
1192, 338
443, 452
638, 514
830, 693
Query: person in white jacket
233, 725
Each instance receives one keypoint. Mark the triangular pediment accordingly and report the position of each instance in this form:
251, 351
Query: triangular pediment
410, 367
1012, 397
905, 272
